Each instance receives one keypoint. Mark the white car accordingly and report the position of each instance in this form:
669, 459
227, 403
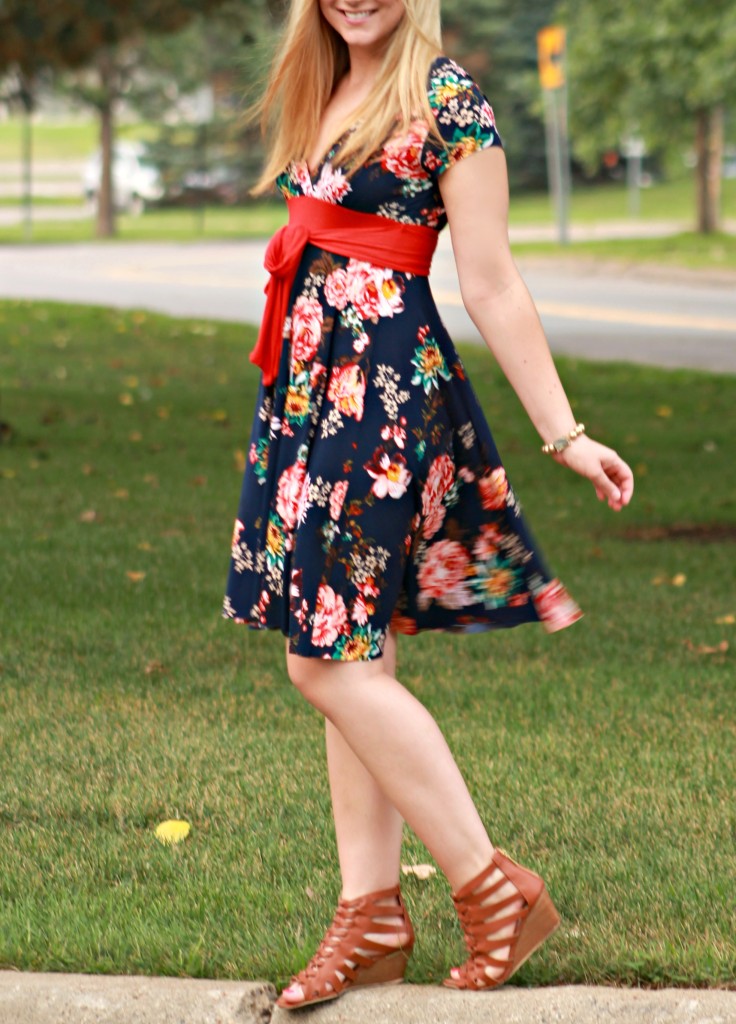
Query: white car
136, 180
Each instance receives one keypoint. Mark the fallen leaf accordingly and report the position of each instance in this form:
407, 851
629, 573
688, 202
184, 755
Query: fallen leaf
726, 620
310, 892
87, 469
122, 493
135, 436
664, 411
198, 481
154, 666
151, 478
172, 831
88, 516
163, 412
135, 575
145, 546
679, 580
422, 871
719, 648
239, 458
130, 382
125, 399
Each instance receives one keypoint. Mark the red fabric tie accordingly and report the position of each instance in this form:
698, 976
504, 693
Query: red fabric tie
407, 248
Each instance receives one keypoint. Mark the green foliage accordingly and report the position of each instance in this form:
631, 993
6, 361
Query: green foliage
67, 33
646, 69
497, 43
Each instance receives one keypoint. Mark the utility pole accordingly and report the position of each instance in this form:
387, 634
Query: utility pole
551, 55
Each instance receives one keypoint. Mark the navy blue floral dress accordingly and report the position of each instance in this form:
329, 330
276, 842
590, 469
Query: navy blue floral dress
373, 494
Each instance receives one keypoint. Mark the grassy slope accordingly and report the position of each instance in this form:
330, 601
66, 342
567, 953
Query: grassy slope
604, 755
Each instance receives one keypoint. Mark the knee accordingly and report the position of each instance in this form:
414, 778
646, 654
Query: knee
304, 674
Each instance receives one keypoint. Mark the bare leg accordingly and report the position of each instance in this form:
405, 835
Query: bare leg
399, 743
368, 828
402, 747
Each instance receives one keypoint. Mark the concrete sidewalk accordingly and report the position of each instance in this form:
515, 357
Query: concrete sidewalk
27, 998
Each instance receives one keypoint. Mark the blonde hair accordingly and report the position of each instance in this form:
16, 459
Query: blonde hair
308, 65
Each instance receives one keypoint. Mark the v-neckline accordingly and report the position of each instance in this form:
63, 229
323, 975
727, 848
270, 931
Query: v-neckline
326, 155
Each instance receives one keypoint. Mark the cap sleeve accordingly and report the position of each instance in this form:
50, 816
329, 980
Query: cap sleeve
462, 114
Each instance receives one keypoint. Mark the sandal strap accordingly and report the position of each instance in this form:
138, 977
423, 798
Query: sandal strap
346, 951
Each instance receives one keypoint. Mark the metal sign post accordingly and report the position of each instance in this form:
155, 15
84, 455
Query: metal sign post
551, 55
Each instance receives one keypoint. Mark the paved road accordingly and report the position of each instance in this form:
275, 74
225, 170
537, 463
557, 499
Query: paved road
598, 312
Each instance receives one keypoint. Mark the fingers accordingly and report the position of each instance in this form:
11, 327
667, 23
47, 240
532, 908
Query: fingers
614, 483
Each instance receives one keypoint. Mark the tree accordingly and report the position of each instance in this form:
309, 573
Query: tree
91, 34
665, 71
496, 42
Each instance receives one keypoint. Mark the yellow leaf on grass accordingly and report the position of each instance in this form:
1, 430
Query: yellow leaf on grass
664, 411
135, 575
172, 831
126, 399
122, 493
135, 436
130, 382
679, 580
726, 620
422, 871
88, 516
239, 458
163, 412
145, 546
719, 648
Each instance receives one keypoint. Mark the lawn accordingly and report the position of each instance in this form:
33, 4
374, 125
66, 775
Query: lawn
604, 756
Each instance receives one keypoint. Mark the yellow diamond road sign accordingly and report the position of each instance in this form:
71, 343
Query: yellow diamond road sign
551, 54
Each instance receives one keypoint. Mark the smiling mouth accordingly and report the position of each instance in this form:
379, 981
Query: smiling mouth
356, 17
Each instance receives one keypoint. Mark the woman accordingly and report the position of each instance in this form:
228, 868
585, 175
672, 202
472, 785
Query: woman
374, 501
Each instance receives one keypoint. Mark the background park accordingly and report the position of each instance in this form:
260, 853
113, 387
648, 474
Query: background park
603, 756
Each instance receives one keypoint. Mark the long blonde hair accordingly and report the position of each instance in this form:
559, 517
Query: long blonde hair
308, 65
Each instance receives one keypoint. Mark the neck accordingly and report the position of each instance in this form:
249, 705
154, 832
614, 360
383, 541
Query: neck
364, 67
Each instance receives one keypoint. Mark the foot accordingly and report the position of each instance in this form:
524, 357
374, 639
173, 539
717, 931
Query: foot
506, 891
393, 932
505, 913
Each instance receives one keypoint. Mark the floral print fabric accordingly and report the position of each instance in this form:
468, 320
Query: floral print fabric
373, 494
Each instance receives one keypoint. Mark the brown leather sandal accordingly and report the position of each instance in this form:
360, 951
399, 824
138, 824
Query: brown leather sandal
347, 959
535, 922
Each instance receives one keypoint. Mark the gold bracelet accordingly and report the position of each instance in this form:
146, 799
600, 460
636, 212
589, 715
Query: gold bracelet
563, 442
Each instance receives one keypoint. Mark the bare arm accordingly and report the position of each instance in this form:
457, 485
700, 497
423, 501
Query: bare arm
475, 195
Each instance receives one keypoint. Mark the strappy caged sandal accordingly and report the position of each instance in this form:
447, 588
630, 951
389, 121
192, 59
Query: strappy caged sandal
480, 919
347, 959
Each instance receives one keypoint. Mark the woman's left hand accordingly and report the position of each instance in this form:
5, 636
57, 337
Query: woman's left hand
606, 470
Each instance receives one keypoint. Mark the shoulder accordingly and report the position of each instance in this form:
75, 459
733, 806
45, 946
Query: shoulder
450, 84
463, 117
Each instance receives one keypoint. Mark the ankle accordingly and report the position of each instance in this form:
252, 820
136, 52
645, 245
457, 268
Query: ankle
474, 863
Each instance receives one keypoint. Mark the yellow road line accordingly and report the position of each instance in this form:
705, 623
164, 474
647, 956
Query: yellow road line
607, 314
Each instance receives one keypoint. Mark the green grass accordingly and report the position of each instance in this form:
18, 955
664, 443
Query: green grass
257, 220
688, 249
63, 140
668, 200
604, 756
17, 201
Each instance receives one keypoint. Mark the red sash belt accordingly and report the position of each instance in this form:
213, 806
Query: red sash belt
407, 248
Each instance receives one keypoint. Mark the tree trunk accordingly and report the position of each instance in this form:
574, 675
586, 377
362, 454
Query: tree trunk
105, 195
709, 151
26, 95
